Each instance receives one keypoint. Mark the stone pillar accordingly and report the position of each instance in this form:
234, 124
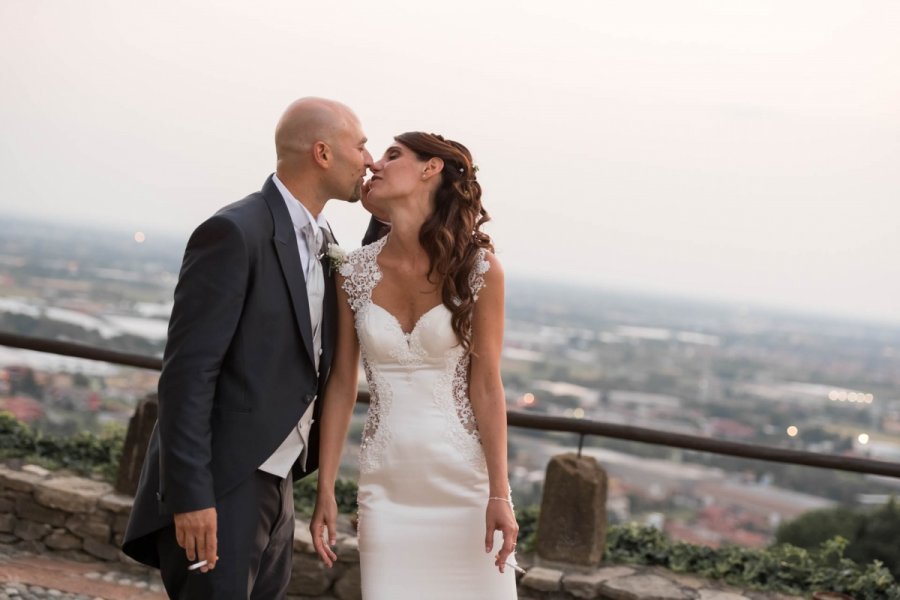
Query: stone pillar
135, 447
572, 524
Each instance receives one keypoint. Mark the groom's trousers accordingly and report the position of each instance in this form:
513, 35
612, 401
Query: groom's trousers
255, 546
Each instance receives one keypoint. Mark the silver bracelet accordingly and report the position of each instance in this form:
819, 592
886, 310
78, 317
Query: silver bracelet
507, 500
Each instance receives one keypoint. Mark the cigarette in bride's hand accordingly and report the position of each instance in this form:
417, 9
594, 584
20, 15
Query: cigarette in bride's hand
516, 567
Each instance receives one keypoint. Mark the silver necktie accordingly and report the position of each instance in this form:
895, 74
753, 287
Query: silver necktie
315, 280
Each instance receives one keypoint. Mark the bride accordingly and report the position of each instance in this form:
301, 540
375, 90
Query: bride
425, 306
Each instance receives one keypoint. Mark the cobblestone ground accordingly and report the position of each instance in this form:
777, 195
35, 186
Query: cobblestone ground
26, 576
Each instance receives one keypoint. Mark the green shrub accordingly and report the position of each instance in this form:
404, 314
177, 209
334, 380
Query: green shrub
305, 495
782, 568
84, 453
527, 519
871, 535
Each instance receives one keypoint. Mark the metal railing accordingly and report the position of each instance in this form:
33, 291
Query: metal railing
515, 418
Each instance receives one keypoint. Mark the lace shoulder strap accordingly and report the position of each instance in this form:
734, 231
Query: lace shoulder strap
476, 277
361, 274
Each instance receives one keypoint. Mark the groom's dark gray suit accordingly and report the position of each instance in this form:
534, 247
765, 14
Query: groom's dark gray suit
238, 372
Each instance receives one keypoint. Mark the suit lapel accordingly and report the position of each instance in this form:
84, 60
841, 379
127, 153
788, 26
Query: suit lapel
285, 241
329, 311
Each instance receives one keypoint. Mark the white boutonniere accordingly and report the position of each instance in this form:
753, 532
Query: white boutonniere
336, 257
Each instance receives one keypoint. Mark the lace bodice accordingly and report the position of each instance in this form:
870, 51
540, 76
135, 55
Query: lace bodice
425, 365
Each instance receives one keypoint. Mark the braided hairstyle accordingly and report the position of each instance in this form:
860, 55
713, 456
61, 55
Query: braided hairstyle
451, 235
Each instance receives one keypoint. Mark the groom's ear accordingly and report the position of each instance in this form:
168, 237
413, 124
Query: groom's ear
321, 154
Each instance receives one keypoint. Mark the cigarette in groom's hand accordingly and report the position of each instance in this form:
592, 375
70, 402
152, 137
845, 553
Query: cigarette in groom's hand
197, 565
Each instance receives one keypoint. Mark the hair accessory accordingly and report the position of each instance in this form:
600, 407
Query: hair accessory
462, 170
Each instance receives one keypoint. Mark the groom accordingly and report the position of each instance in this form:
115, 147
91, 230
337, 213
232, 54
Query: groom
250, 344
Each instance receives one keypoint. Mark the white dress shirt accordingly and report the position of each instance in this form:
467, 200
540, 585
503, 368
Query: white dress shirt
295, 444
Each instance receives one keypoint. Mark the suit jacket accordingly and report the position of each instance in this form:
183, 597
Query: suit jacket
238, 369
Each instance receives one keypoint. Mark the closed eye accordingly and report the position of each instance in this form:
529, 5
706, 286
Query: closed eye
392, 153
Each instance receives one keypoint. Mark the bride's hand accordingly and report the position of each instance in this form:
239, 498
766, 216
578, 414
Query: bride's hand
499, 515
324, 522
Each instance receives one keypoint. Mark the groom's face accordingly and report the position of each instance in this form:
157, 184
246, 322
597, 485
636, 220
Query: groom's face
351, 159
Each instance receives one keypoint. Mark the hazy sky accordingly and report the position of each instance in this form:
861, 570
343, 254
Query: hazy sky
728, 149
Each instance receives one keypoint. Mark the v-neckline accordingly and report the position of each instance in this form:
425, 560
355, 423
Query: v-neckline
400, 325
380, 276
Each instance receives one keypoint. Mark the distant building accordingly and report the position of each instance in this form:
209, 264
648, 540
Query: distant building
728, 429
27, 410
772, 504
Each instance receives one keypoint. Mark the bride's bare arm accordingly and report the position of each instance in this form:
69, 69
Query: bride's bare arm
337, 408
489, 404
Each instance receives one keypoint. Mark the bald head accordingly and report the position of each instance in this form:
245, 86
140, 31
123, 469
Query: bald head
307, 121
321, 152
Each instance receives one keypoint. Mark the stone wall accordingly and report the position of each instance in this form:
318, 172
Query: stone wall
44, 512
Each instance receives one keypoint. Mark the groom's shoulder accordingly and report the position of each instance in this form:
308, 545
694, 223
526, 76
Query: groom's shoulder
251, 205
249, 212
248, 219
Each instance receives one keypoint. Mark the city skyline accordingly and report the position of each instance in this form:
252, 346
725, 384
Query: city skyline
707, 150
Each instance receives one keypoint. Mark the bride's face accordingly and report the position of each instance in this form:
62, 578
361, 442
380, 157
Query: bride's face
399, 173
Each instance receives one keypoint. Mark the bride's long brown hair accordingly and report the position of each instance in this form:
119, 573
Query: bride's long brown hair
452, 235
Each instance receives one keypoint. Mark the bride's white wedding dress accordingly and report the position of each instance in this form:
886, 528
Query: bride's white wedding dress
423, 485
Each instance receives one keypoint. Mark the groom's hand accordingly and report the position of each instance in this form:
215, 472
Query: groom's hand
196, 532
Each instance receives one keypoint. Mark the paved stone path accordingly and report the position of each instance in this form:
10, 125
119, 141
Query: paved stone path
25, 576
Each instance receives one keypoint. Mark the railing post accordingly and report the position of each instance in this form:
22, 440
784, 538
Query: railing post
572, 525
140, 427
